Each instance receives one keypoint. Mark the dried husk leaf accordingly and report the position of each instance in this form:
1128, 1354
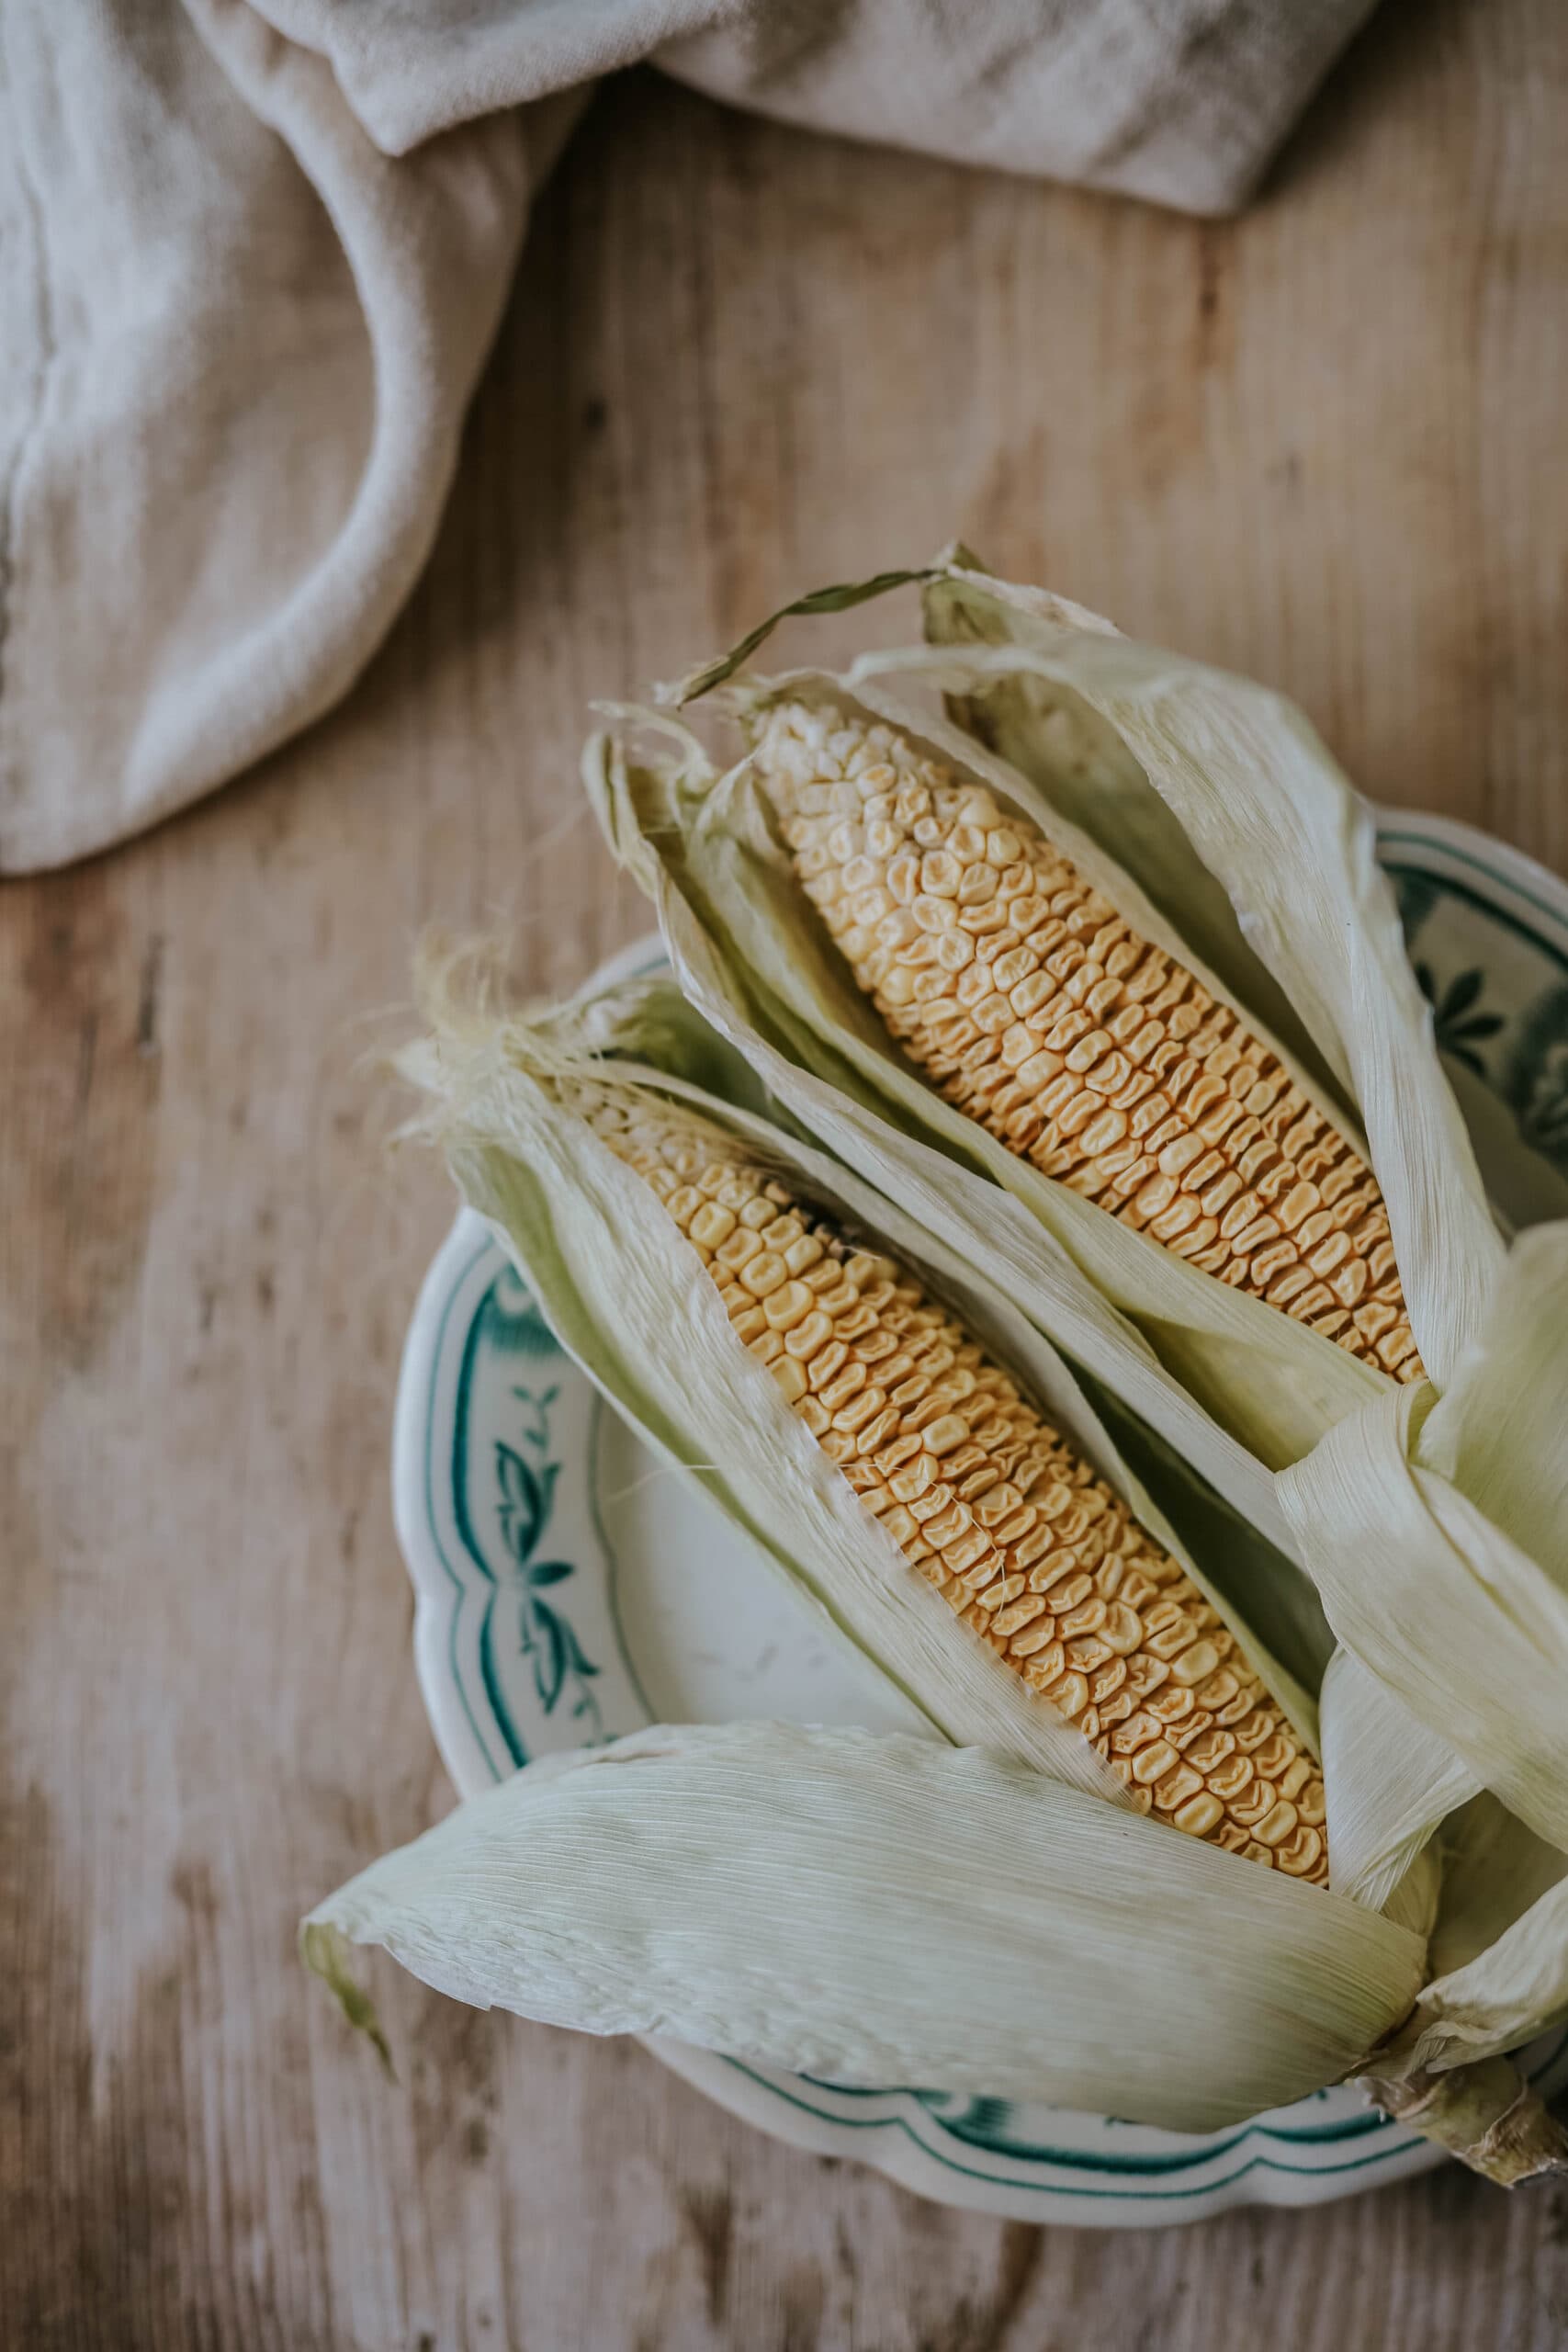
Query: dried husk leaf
1495, 1869
1488, 1466
1466, 1631
1517, 1987
1498, 1960
1496, 1431
1498, 1967
1389, 1781
885, 1909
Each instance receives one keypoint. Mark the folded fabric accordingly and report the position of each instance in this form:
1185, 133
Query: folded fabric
252, 258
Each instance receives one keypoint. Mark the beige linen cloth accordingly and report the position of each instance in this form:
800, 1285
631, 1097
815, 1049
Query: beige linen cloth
252, 253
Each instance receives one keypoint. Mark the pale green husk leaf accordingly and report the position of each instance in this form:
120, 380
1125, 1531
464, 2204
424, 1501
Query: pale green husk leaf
1388, 1781
1495, 1869
1516, 1987
1451, 1569
884, 1909
1498, 1430
1462, 1626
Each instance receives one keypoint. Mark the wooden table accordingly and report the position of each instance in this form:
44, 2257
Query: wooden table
1323, 444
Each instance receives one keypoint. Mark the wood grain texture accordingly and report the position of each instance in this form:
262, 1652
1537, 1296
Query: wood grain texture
1322, 444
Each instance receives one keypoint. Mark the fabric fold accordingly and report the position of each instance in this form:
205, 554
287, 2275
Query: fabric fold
252, 257
236, 395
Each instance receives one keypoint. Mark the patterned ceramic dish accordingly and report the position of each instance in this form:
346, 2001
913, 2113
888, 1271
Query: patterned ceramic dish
570, 1589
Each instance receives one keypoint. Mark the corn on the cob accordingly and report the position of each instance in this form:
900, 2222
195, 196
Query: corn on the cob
1027, 1544
1016, 988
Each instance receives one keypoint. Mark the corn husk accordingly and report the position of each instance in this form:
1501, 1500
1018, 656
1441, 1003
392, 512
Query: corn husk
990, 1223
506, 1094
1206, 810
618, 1284
1210, 816
1517, 1987
1151, 1419
1244, 1390
1256, 854
884, 1909
1494, 1870
1414, 1518
814, 1900
1388, 1779
1433, 1728
1496, 1928
1496, 1432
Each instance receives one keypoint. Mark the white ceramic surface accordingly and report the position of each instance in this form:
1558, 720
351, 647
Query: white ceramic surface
570, 1589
